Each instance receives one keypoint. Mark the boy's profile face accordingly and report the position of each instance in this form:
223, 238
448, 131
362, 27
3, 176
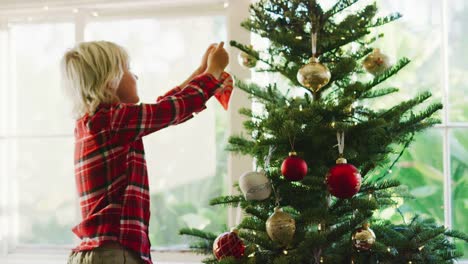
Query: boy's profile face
127, 90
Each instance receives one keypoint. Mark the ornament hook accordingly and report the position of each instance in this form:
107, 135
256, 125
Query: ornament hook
267, 160
341, 142
314, 44
277, 197
340, 138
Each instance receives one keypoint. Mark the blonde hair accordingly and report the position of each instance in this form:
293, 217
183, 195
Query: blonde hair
91, 73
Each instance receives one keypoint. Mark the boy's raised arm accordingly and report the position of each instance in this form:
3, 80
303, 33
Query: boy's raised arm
131, 122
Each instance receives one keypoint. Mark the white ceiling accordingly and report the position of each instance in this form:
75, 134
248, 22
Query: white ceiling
10, 8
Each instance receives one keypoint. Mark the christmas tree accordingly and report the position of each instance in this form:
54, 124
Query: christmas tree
323, 158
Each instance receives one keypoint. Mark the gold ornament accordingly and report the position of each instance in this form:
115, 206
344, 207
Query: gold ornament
314, 75
281, 227
363, 238
247, 60
376, 62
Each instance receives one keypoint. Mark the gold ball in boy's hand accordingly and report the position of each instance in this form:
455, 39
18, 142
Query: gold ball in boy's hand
314, 75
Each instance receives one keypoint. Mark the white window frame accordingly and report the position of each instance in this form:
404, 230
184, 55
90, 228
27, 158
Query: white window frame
235, 12
447, 126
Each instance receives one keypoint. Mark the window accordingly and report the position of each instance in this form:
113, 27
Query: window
36, 135
38, 200
163, 52
456, 128
434, 167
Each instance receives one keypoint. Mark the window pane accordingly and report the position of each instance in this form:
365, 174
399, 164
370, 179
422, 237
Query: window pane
186, 163
46, 195
457, 43
39, 103
417, 36
163, 52
459, 168
3, 78
421, 170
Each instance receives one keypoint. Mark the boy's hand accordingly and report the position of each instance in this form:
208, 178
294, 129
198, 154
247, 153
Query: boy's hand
203, 66
204, 63
218, 59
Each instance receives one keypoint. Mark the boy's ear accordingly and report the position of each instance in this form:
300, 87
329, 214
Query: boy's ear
113, 92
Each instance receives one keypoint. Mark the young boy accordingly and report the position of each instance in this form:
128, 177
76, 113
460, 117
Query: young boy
110, 167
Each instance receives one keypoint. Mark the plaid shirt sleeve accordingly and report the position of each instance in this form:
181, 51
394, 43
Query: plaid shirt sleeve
131, 122
174, 91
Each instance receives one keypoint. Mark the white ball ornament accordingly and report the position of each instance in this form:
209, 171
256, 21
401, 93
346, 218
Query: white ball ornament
255, 186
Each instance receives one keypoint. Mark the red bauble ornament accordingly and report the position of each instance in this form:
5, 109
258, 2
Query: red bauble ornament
228, 245
294, 168
343, 180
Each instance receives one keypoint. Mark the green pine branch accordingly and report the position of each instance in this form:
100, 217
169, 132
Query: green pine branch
340, 6
379, 93
385, 20
387, 74
233, 200
198, 233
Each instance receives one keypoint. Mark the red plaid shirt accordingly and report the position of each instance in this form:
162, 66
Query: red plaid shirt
110, 166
